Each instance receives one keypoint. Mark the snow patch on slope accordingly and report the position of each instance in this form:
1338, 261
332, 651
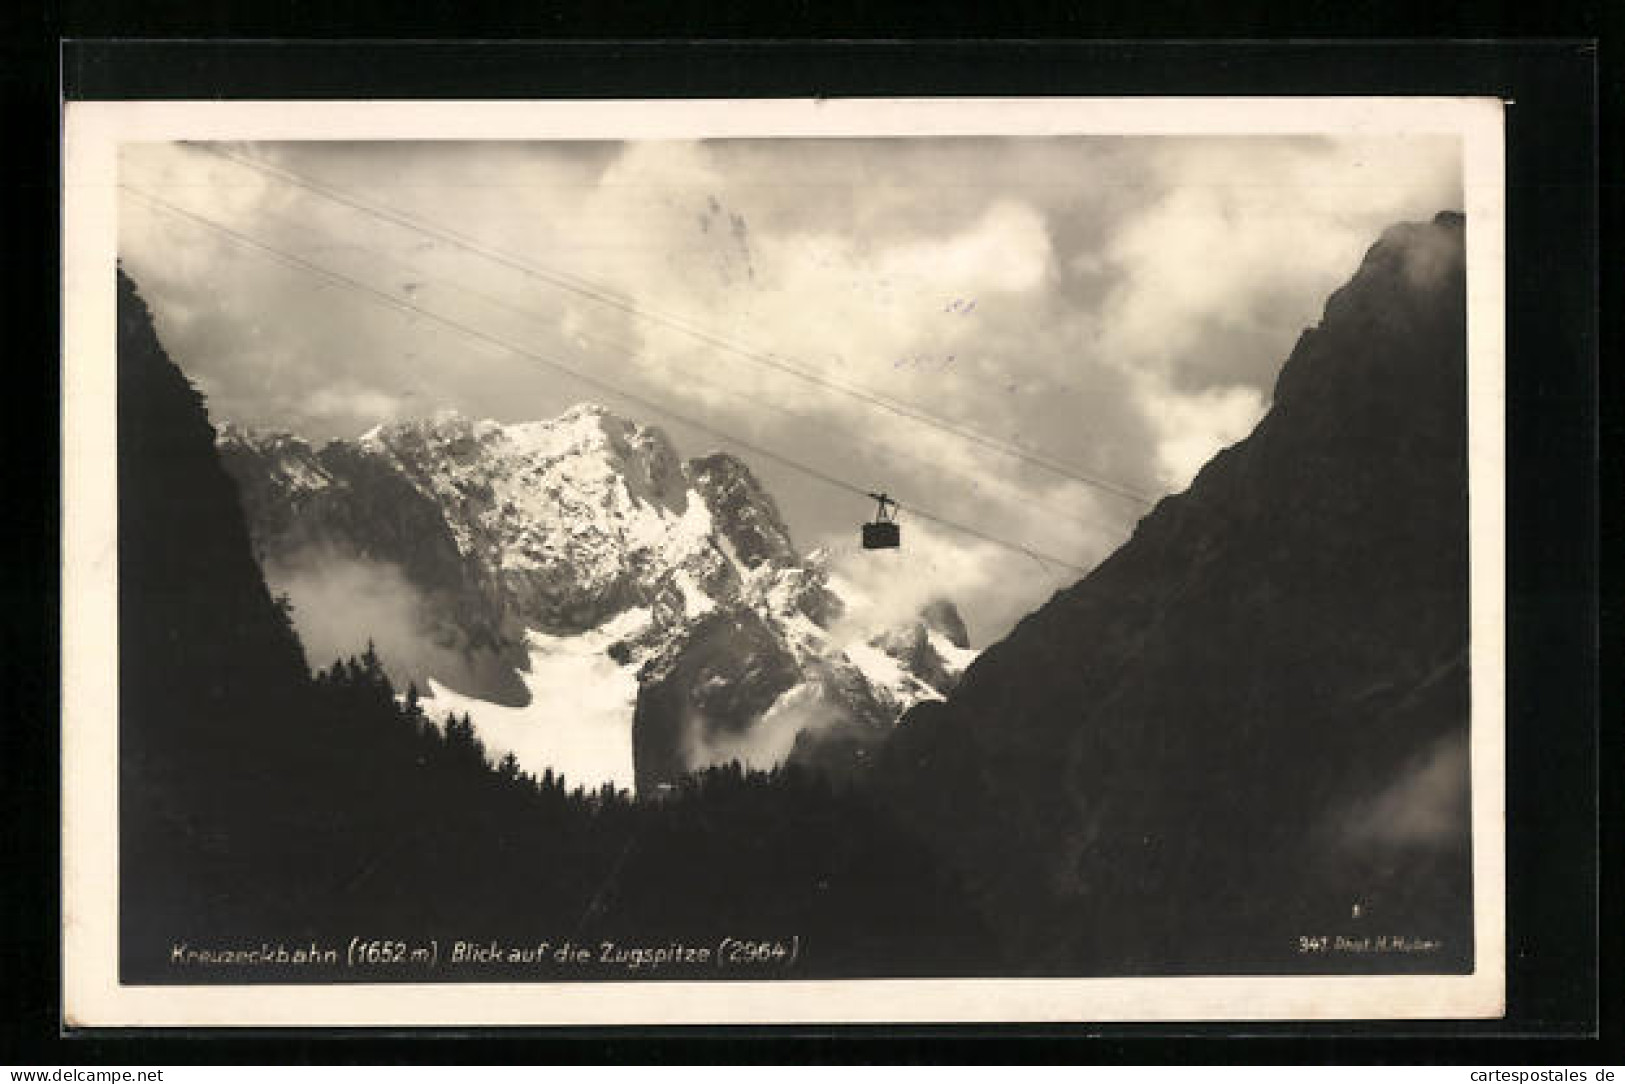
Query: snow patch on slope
956, 657
579, 719
886, 674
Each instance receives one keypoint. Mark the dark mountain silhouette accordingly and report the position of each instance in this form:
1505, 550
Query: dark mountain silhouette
1250, 723
203, 648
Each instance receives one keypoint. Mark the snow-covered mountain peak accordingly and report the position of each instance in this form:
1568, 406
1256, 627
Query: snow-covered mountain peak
285, 460
750, 518
535, 540
586, 428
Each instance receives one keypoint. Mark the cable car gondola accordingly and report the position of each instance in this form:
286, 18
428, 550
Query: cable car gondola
882, 533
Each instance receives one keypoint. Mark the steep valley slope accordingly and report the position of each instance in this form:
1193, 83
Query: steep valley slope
1245, 734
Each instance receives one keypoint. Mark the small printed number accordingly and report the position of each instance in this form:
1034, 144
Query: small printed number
757, 952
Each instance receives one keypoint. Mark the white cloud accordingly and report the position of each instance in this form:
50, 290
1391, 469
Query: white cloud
1247, 239
356, 405
1006, 251
1192, 427
887, 588
1123, 306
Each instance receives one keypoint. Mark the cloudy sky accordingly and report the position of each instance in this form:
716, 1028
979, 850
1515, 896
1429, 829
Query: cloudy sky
1117, 307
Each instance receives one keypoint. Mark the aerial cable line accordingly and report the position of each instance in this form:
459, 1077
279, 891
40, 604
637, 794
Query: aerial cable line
1049, 569
394, 302
606, 295
632, 354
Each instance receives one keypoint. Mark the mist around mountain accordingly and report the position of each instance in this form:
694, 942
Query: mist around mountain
597, 605
1242, 736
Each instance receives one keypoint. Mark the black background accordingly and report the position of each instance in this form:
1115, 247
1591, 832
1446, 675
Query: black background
1554, 324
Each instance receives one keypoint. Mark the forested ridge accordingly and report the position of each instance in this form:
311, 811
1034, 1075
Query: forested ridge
263, 804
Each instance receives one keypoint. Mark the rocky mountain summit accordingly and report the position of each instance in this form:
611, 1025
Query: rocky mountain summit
597, 604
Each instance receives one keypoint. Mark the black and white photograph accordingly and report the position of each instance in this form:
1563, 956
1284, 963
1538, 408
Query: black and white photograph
708, 562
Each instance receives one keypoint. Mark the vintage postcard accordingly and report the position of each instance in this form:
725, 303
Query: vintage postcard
660, 562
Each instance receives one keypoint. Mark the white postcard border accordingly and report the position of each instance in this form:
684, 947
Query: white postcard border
92, 995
